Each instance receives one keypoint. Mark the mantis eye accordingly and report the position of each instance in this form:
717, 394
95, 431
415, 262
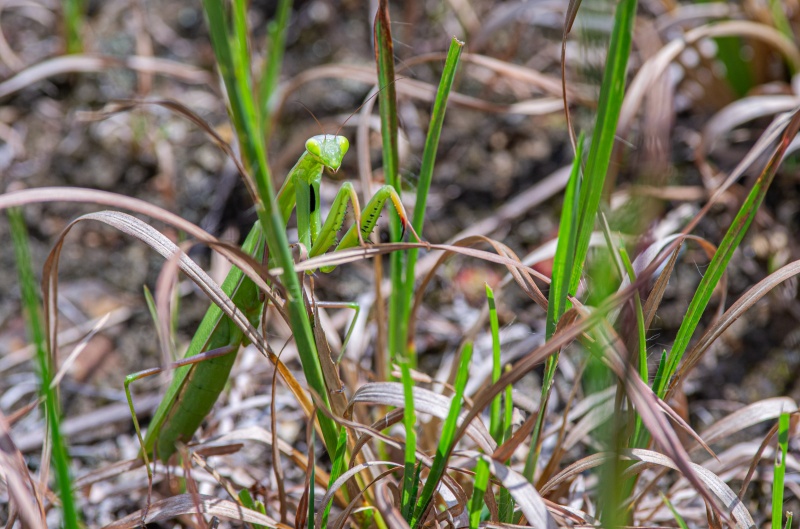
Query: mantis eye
343, 144
313, 146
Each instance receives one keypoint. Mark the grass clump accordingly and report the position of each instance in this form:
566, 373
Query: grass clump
556, 349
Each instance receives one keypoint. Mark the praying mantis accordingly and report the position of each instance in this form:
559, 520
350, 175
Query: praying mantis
196, 384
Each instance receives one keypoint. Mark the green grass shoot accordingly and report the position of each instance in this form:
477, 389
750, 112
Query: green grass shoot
495, 419
447, 437
37, 333
779, 471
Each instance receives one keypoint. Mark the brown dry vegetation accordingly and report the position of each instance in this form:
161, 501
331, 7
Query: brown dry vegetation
503, 162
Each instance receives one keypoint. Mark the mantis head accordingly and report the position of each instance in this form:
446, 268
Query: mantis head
328, 150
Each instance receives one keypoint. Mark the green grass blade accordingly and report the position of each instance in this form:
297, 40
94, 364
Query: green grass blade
74, 12
678, 517
435, 132
495, 421
643, 372
273, 59
249, 128
337, 467
447, 437
780, 19
428, 162
563, 262
36, 331
247, 500
387, 99
239, 41
788, 520
387, 105
641, 335
481, 482
612, 91
719, 262
311, 487
563, 268
505, 502
410, 468
780, 471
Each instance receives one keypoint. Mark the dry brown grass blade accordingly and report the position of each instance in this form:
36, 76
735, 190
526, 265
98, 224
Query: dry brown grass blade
384, 501
224, 483
524, 493
416, 89
733, 115
655, 67
651, 409
184, 504
190, 484
341, 480
25, 197
538, 193
747, 300
505, 451
161, 244
655, 252
575, 469
764, 410
341, 519
364, 252
756, 459
571, 14
98, 63
305, 502
330, 371
660, 286
21, 488
261, 435
763, 146
189, 114
722, 492
425, 401
277, 466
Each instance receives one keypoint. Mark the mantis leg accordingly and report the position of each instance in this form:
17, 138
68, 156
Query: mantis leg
356, 308
327, 234
369, 218
183, 363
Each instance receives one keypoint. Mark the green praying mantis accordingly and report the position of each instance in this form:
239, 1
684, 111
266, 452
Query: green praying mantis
200, 377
